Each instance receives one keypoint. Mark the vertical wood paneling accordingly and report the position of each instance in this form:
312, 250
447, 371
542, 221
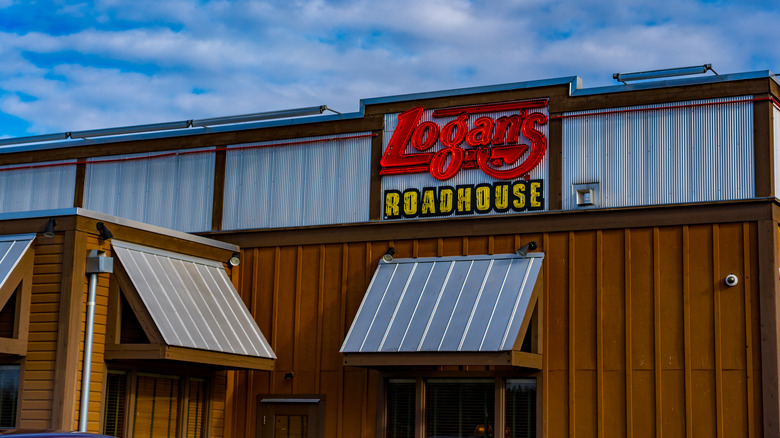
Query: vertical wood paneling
717, 322
629, 348
641, 337
687, 331
572, 328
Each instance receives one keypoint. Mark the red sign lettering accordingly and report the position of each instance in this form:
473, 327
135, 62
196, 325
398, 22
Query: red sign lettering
493, 144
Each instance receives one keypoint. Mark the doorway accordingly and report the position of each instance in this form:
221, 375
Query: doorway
290, 418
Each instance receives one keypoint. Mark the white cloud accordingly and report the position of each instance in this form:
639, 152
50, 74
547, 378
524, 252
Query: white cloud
151, 61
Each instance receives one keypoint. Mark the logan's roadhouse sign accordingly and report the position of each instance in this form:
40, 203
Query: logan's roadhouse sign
481, 159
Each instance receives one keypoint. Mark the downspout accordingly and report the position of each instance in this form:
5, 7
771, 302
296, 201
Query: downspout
97, 262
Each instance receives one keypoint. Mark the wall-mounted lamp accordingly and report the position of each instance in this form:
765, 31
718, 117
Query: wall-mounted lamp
234, 259
388, 257
104, 233
289, 376
523, 251
49, 230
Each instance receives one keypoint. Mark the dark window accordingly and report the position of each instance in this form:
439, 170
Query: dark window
9, 394
459, 408
400, 408
520, 416
155, 405
116, 393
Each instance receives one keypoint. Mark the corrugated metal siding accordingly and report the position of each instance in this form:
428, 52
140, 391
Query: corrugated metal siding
12, 248
776, 130
465, 176
444, 304
173, 192
316, 183
663, 156
192, 301
41, 188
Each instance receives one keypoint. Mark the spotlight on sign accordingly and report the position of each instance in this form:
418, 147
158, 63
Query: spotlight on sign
388, 257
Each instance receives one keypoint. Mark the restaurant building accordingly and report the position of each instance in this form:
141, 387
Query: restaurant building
534, 259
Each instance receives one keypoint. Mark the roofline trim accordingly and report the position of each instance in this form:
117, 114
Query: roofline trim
119, 221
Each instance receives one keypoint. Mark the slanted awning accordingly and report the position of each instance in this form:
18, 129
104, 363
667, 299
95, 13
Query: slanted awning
16, 267
188, 309
469, 310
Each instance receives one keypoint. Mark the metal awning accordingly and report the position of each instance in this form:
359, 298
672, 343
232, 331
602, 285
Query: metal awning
193, 308
16, 267
445, 310
12, 249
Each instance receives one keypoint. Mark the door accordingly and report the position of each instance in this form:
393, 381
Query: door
279, 418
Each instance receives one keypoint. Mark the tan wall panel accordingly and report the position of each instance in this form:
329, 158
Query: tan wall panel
673, 403
38, 376
556, 256
646, 298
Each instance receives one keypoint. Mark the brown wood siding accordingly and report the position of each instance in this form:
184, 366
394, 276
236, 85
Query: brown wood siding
641, 335
39, 366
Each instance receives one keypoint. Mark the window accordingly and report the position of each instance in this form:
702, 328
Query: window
460, 407
9, 394
158, 404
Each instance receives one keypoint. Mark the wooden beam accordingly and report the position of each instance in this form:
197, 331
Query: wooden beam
72, 290
191, 355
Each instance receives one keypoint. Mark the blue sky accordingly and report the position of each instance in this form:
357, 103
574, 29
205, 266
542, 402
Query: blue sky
76, 65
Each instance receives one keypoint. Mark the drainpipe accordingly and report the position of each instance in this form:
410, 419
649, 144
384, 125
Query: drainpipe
97, 262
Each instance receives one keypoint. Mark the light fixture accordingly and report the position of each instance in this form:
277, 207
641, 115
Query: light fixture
530, 246
105, 234
297, 112
664, 73
388, 257
49, 230
234, 259
289, 376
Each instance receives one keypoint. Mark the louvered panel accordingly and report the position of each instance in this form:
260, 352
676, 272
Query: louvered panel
47, 186
171, 190
299, 182
694, 151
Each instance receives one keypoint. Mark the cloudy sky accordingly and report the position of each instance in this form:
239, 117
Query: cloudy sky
75, 65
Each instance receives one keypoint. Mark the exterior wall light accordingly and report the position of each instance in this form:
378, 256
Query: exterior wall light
235, 260
104, 233
49, 230
388, 257
530, 246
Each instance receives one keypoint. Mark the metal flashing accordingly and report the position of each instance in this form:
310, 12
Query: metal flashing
119, 221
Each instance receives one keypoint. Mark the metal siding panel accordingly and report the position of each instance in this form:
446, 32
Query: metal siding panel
41, 188
368, 307
484, 310
284, 184
697, 153
445, 303
425, 305
464, 305
405, 311
174, 192
393, 293
191, 301
507, 300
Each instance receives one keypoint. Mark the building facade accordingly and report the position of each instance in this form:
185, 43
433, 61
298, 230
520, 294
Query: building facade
528, 259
